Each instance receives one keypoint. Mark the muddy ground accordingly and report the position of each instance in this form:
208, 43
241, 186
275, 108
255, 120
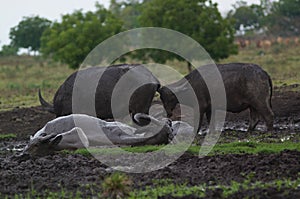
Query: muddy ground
72, 172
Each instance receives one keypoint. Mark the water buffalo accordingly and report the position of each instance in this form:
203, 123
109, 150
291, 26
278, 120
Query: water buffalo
138, 88
78, 131
246, 86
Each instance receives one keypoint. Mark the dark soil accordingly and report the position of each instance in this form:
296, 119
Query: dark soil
73, 172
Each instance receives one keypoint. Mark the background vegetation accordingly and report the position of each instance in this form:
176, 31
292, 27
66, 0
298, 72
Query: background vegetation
63, 44
70, 40
21, 76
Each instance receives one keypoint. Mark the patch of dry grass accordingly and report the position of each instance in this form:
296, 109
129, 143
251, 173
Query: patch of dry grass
21, 76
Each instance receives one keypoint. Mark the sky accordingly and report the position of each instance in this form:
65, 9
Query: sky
12, 11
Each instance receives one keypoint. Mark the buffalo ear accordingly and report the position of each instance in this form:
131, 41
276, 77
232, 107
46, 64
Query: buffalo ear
56, 140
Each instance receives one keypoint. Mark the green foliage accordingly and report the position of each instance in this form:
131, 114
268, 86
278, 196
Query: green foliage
128, 11
284, 19
70, 40
199, 19
8, 50
248, 17
28, 32
288, 8
277, 18
117, 185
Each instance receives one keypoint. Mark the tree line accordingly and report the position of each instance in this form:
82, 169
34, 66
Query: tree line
279, 18
75, 35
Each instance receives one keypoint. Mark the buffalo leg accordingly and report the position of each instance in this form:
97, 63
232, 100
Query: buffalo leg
267, 114
210, 115
254, 119
198, 115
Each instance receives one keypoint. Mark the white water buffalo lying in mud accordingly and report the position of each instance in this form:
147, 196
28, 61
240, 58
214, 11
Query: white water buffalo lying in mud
64, 133
246, 86
133, 95
79, 131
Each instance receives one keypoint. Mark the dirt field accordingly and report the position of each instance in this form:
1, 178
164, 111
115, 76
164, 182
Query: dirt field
73, 172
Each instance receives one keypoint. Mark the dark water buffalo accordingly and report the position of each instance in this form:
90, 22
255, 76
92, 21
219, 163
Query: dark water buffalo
246, 86
139, 82
78, 131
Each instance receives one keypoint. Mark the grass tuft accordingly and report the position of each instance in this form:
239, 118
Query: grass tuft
117, 185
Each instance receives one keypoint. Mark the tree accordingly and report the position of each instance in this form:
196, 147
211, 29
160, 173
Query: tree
8, 50
247, 18
28, 32
277, 18
288, 8
128, 11
266, 6
284, 18
71, 40
199, 19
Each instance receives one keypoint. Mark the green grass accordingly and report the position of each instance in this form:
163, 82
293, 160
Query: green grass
7, 136
123, 150
166, 187
254, 148
218, 149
